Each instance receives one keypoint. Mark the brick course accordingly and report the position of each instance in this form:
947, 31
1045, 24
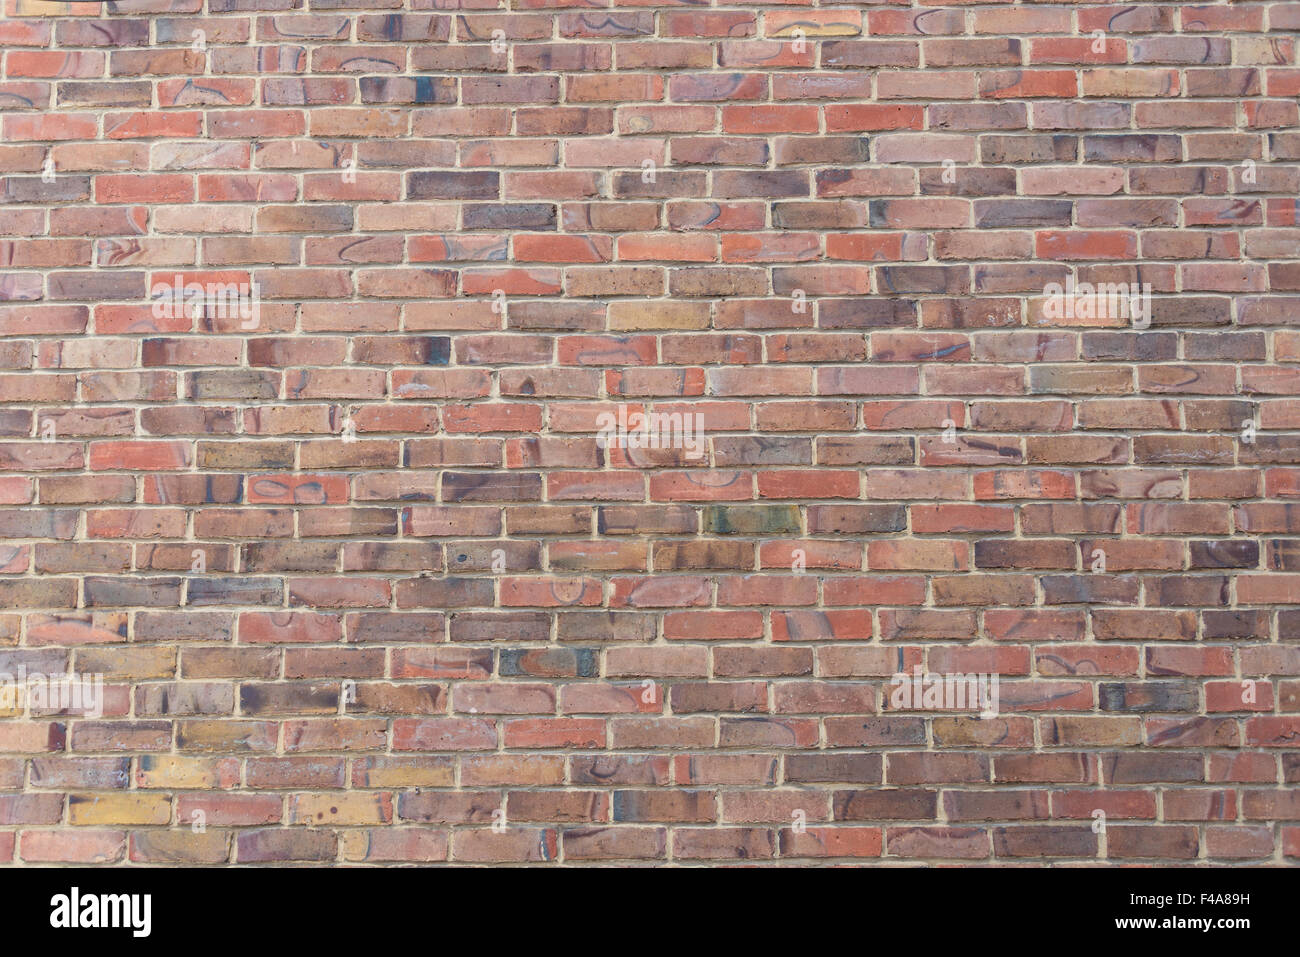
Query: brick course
987, 316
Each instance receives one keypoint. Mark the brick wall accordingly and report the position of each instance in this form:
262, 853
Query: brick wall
968, 331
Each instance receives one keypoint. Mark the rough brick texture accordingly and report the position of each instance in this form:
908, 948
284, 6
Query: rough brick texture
365, 581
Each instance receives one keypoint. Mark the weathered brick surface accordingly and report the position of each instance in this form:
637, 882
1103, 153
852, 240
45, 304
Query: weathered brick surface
364, 582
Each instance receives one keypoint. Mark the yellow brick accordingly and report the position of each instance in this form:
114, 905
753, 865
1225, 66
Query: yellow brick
174, 771
55, 8
627, 315
354, 808
119, 809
